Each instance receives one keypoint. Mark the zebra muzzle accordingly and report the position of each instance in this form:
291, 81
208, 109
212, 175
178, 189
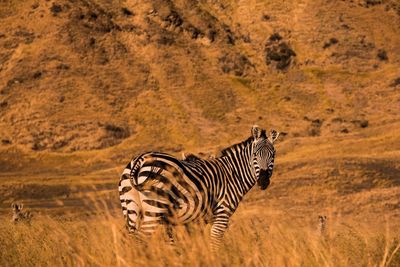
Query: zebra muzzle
263, 180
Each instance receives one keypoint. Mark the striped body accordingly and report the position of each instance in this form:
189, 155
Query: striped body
156, 188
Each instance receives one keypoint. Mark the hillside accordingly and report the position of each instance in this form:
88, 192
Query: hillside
132, 72
87, 84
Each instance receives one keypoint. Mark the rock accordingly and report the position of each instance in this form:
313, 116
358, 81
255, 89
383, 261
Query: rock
360, 123
230, 38
369, 3
55, 9
315, 128
331, 42
316, 123
211, 35
194, 32
275, 37
265, 17
364, 124
126, 12
174, 19
93, 15
278, 52
345, 26
382, 55
6, 142
37, 75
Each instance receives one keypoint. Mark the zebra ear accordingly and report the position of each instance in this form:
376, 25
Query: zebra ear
256, 132
273, 135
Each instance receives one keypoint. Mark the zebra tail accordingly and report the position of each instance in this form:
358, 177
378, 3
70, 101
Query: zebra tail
129, 196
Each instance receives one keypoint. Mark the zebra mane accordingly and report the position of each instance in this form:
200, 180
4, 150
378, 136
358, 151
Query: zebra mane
226, 151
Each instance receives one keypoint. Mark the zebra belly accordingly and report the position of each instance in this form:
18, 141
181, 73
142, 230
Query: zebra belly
168, 193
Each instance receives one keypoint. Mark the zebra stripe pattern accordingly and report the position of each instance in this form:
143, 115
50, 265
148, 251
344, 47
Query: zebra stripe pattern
157, 188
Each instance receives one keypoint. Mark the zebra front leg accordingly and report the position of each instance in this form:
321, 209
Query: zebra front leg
218, 228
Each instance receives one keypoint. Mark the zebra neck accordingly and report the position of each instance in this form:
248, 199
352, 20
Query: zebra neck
243, 178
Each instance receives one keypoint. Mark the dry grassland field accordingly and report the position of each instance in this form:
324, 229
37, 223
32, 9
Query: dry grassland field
85, 85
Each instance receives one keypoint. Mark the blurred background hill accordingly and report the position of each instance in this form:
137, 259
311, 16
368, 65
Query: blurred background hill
87, 84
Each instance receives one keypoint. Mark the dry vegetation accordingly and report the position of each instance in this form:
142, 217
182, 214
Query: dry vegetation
87, 84
102, 241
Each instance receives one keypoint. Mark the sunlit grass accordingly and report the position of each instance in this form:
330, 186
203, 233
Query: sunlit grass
102, 240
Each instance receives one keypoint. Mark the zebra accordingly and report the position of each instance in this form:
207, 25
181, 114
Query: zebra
156, 188
322, 225
19, 215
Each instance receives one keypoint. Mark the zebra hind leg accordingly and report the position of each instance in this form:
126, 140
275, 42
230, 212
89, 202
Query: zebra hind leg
131, 207
168, 229
150, 224
171, 238
170, 234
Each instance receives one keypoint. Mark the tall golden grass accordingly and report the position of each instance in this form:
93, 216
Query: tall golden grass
264, 240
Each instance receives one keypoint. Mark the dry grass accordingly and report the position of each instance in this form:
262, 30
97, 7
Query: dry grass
262, 241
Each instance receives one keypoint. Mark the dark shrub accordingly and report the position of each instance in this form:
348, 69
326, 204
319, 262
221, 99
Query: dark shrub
116, 131
382, 55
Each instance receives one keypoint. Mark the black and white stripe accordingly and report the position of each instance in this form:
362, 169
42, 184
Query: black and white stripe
156, 188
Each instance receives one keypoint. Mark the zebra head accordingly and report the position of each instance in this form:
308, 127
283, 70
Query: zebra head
263, 154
